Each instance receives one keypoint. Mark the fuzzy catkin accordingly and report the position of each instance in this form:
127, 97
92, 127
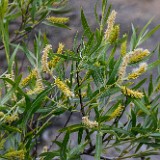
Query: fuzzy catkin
114, 34
138, 71
117, 112
20, 155
123, 48
88, 123
11, 118
63, 87
44, 60
131, 93
52, 63
138, 55
122, 68
60, 20
110, 23
1, 114
30, 77
38, 87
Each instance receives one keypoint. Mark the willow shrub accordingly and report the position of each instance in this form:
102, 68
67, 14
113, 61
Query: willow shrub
118, 104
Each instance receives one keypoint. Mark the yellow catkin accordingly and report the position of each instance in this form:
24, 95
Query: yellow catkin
61, 20
117, 112
2, 142
52, 63
110, 24
122, 68
138, 54
20, 155
11, 77
88, 123
114, 34
124, 48
38, 88
30, 77
63, 87
1, 114
131, 93
44, 60
138, 71
11, 118
60, 48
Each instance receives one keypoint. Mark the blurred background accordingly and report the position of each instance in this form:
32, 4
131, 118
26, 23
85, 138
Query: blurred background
138, 12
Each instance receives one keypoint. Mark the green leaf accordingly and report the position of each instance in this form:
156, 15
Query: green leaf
95, 12
146, 153
141, 34
141, 106
80, 134
150, 33
153, 65
59, 25
29, 54
133, 41
114, 72
85, 25
77, 150
12, 58
133, 118
11, 91
107, 15
109, 112
98, 146
155, 135
50, 155
139, 84
4, 30
150, 88
10, 128
72, 128
63, 151
20, 91
98, 77
35, 105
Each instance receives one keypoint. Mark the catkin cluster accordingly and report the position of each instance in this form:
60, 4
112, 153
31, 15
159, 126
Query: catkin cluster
117, 112
11, 118
44, 60
131, 93
88, 123
138, 54
60, 20
132, 57
30, 77
20, 155
110, 24
63, 87
52, 63
138, 71
37, 89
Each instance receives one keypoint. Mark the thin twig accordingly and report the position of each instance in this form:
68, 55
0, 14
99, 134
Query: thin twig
80, 99
66, 123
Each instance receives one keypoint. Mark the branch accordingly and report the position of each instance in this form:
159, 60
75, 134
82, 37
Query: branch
49, 148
